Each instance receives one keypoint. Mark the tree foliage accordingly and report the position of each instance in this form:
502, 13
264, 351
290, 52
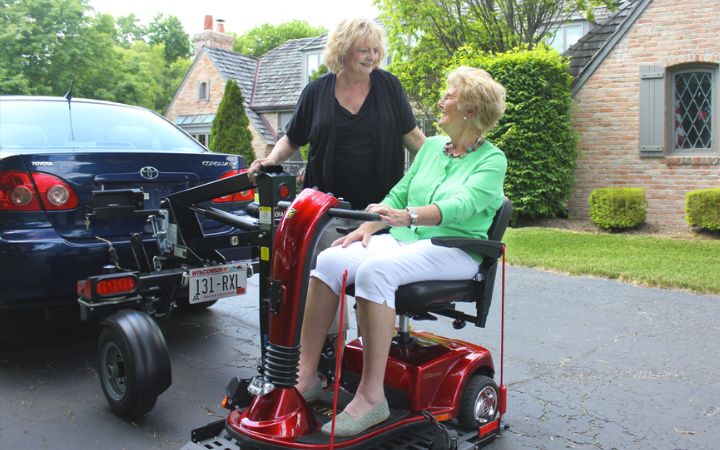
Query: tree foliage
492, 25
230, 132
45, 45
129, 29
424, 34
260, 40
168, 30
322, 70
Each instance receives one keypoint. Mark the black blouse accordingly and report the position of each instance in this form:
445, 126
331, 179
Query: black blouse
385, 117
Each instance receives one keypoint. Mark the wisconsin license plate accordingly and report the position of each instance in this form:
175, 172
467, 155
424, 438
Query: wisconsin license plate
212, 283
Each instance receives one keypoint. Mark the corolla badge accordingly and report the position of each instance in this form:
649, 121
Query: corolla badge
149, 172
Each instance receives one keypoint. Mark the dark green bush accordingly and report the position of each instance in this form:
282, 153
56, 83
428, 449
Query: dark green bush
535, 133
230, 132
617, 208
702, 209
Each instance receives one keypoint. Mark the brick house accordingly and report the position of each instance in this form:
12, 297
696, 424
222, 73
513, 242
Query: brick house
271, 85
644, 105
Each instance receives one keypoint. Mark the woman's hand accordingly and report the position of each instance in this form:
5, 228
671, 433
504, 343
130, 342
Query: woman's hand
359, 234
362, 233
257, 166
279, 154
391, 216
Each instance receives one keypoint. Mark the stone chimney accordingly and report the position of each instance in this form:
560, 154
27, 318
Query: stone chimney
213, 39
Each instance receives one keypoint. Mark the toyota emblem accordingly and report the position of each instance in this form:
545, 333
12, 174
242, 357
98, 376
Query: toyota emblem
149, 172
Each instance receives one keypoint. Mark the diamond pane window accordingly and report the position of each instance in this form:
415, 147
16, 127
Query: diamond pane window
692, 103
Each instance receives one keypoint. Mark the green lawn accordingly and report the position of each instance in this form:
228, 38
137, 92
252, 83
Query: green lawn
652, 261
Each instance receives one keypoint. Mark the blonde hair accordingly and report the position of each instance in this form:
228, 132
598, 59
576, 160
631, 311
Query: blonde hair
346, 35
476, 89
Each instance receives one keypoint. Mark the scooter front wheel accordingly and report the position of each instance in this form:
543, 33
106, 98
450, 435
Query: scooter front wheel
134, 364
479, 403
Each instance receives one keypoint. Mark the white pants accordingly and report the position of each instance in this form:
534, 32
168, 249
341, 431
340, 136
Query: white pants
378, 269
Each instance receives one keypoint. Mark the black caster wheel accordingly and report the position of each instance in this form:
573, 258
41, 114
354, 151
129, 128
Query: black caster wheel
134, 363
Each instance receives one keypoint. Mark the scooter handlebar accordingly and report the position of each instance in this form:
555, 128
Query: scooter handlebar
252, 209
353, 214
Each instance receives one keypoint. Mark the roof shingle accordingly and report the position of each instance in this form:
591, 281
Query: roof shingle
593, 45
241, 69
279, 80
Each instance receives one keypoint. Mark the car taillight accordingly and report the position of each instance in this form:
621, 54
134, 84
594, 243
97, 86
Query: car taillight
17, 192
20, 192
115, 286
107, 286
242, 196
55, 193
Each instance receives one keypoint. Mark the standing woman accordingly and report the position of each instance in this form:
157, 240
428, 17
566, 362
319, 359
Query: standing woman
356, 118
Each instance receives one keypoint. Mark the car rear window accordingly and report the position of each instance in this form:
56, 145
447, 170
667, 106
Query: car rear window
43, 124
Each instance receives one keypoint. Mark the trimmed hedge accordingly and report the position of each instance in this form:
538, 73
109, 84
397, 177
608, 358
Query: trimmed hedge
702, 209
617, 208
535, 133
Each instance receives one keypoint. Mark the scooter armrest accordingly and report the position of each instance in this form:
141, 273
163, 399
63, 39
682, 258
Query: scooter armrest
483, 247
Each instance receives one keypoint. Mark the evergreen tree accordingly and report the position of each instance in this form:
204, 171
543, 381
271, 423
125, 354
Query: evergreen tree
229, 132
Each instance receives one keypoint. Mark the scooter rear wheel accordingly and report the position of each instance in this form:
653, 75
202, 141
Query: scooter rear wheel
479, 403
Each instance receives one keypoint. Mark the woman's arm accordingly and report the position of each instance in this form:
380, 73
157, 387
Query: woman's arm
428, 215
279, 154
414, 140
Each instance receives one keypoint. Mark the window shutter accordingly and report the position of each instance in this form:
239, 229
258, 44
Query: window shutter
652, 111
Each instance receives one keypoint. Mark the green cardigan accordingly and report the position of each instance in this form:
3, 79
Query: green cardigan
468, 190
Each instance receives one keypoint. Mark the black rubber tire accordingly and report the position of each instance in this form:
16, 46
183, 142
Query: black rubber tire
133, 362
479, 402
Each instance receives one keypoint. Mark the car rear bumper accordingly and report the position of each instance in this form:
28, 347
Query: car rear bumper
40, 269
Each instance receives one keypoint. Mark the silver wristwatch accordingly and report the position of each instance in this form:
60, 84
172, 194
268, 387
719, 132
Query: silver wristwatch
413, 217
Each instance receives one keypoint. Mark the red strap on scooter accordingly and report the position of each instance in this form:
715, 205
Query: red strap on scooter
502, 325
340, 343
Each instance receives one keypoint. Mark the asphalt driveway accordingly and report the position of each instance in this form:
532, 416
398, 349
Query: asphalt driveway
590, 364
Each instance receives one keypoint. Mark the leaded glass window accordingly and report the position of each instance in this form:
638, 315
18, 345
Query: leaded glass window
693, 107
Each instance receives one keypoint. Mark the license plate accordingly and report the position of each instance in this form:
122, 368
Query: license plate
213, 283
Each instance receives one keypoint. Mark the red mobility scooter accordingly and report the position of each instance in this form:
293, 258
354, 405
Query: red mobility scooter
441, 391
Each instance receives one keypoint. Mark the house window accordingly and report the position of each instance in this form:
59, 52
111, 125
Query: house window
312, 64
203, 90
564, 36
204, 139
692, 105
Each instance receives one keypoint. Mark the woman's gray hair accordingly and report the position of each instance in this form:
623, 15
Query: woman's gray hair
346, 35
476, 90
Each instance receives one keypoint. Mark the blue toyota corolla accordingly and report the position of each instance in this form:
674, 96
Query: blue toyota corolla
54, 153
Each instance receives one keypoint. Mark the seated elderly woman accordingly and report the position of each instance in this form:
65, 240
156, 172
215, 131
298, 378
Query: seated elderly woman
453, 188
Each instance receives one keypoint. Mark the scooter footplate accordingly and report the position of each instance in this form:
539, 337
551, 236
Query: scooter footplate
415, 438
220, 442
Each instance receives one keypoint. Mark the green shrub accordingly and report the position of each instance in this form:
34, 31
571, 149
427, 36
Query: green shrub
702, 209
535, 133
617, 208
230, 132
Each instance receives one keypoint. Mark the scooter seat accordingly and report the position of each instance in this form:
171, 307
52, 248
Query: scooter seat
416, 298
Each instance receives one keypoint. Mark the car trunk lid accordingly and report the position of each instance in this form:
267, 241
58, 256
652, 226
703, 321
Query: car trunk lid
156, 174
